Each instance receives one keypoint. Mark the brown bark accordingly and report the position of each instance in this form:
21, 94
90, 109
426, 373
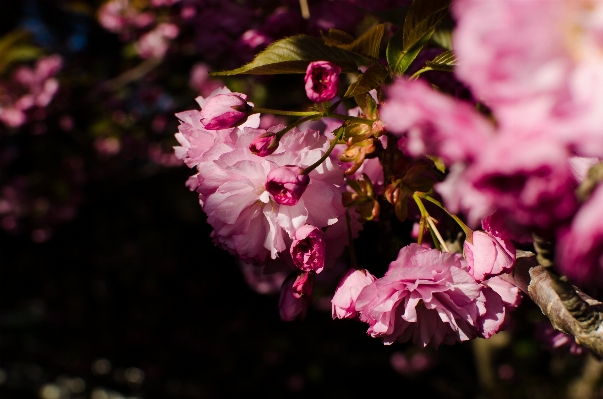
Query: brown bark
570, 310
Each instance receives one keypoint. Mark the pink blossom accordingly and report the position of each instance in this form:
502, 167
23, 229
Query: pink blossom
426, 296
250, 43
534, 64
489, 252
580, 247
28, 89
195, 140
201, 82
303, 284
554, 340
290, 306
163, 3
308, 249
119, 15
322, 81
343, 304
225, 111
246, 218
287, 184
155, 43
497, 299
264, 144
532, 182
436, 124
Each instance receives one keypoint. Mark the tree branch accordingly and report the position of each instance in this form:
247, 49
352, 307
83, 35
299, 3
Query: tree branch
570, 310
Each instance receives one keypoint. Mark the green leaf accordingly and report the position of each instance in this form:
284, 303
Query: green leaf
367, 104
423, 16
292, 55
443, 62
366, 45
399, 59
372, 78
336, 37
443, 38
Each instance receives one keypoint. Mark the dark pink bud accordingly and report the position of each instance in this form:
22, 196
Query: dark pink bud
264, 144
287, 184
303, 284
292, 306
224, 111
322, 79
308, 249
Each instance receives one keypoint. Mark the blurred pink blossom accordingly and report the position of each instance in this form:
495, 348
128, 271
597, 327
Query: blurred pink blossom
154, 44
29, 89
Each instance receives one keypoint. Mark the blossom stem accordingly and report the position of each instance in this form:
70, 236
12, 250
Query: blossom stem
256, 110
298, 122
433, 230
350, 118
424, 216
326, 155
416, 75
348, 220
436, 232
468, 232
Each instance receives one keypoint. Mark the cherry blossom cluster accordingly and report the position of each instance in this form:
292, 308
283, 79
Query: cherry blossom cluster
28, 90
510, 140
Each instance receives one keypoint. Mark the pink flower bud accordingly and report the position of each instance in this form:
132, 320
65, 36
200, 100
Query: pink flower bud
287, 184
343, 304
308, 249
303, 284
322, 79
224, 111
292, 306
264, 144
488, 255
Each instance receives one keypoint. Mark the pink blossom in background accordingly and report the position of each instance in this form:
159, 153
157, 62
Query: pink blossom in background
287, 184
155, 43
224, 111
201, 82
580, 247
164, 3
308, 249
426, 296
436, 124
531, 183
250, 43
489, 253
533, 65
556, 341
120, 15
322, 81
29, 89
344, 301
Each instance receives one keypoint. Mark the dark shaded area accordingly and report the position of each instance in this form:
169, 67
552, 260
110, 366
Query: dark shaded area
135, 280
